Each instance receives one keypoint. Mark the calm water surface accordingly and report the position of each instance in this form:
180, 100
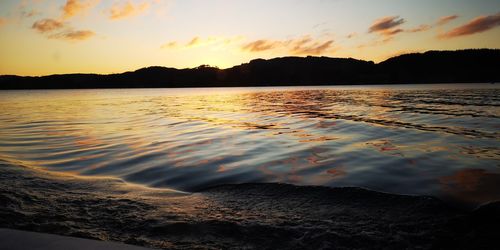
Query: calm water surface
440, 140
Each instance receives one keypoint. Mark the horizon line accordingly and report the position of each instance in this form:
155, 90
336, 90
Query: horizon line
236, 65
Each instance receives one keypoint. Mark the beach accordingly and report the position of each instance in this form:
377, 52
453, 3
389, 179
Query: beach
23, 240
246, 216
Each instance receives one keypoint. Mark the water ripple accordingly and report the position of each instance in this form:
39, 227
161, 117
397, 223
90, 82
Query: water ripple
395, 139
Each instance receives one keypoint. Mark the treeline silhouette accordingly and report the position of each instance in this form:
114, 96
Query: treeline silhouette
462, 66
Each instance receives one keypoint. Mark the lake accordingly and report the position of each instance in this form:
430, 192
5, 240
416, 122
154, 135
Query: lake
439, 140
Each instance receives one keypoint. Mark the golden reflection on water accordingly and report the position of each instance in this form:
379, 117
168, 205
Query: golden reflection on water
390, 140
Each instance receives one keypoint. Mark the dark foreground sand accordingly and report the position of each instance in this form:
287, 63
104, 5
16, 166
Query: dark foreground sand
21, 240
248, 216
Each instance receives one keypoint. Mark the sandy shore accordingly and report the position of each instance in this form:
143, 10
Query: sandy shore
244, 216
22, 240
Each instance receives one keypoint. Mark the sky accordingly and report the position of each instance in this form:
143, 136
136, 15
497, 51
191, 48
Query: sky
42, 37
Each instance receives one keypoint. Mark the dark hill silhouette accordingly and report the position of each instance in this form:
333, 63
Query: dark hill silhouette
300, 71
474, 65
479, 65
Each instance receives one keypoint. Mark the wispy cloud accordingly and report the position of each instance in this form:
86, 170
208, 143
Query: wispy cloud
60, 28
446, 19
304, 45
169, 45
421, 28
47, 25
26, 9
476, 25
128, 9
76, 7
319, 25
386, 25
300, 46
352, 35
195, 41
315, 48
262, 45
28, 14
392, 32
54, 29
73, 35
376, 42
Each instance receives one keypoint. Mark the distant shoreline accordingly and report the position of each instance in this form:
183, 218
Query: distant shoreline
475, 84
461, 66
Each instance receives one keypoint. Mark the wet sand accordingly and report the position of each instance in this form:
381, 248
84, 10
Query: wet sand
249, 216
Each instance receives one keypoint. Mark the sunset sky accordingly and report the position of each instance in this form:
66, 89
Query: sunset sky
40, 37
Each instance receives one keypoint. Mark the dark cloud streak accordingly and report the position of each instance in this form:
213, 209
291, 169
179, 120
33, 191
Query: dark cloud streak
385, 24
476, 25
446, 19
